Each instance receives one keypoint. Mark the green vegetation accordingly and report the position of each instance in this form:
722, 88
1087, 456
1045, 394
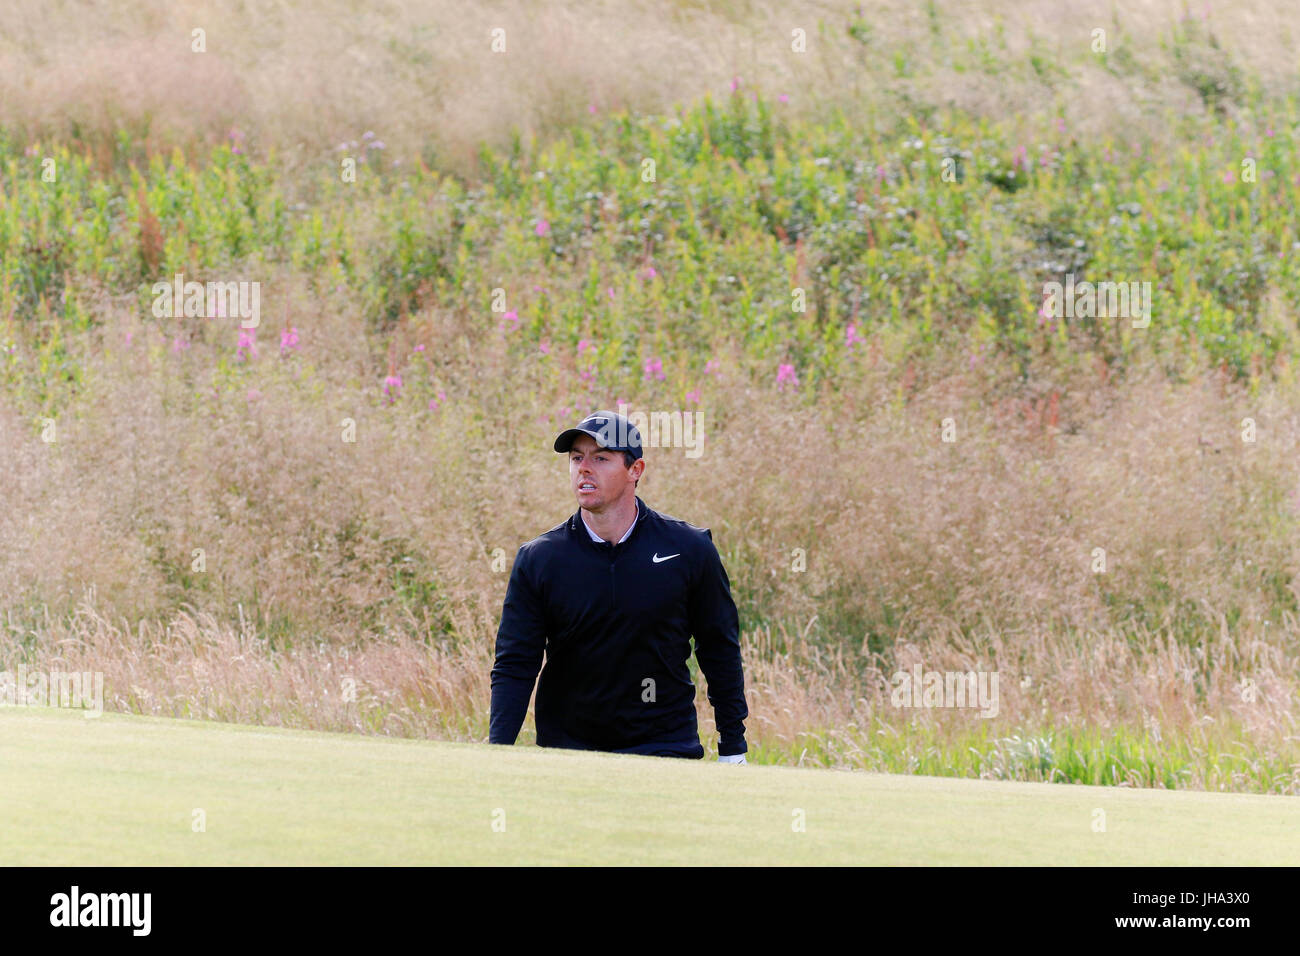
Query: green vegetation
938, 233
1221, 760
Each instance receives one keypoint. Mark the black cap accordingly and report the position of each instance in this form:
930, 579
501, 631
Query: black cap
610, 429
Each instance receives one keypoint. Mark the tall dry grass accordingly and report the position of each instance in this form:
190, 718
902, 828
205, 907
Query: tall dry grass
304, 77
375, 560
904, 534
194, 665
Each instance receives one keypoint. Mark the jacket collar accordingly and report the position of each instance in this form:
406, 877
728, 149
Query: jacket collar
576, 525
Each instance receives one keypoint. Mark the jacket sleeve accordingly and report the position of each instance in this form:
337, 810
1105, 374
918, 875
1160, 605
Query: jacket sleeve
521, 640
716, 627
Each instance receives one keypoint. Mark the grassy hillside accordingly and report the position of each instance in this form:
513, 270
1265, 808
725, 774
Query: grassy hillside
838, 257
123, 791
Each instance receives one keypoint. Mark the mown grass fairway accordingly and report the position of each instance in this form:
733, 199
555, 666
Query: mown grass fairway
121, 790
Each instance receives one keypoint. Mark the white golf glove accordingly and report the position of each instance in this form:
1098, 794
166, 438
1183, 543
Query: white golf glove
734, 758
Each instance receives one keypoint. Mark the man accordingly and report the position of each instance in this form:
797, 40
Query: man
613, 596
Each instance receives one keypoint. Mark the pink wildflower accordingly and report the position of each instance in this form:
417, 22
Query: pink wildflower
246, 344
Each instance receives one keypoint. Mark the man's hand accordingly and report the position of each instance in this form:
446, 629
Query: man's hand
734, 758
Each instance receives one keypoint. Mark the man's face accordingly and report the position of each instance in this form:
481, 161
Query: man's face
598, 476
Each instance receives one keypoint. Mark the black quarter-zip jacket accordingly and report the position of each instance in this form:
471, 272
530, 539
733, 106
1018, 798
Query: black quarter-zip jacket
614, 622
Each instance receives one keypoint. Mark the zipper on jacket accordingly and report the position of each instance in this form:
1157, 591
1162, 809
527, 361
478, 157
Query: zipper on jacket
608, 547
613, 589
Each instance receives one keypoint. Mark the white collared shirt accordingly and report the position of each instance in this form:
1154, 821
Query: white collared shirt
599, 540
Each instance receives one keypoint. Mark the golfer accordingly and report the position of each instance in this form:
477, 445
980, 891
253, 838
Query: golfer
612, 597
